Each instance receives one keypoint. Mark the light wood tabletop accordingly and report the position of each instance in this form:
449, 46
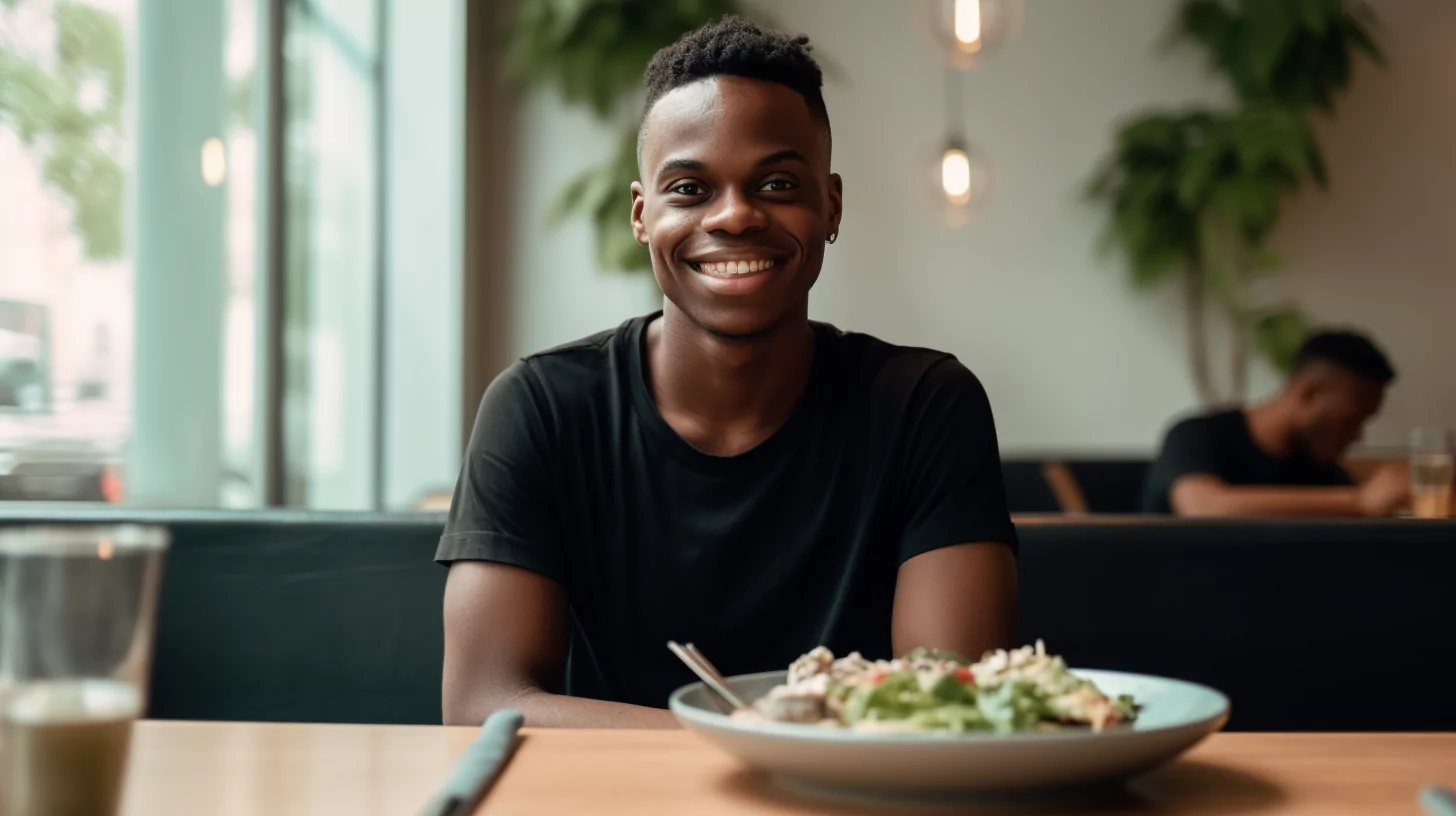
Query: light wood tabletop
332, 770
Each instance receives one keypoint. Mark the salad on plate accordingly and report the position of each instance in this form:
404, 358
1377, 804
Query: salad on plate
1022, 690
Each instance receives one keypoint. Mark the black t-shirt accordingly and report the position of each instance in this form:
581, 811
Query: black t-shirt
1219, 444
572, 473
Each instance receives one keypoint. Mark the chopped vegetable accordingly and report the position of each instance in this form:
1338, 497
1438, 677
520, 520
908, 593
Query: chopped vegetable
1006, 692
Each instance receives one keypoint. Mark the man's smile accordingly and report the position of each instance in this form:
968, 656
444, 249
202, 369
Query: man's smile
733, 268
741, 272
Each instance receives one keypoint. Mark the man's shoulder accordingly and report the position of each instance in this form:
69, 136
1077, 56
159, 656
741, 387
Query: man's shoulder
1208, 438
578, 366
586, 351
885, 368
562, 382
1217, 422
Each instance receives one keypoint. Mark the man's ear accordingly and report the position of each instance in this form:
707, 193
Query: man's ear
639, 229
1306, 388
836, 202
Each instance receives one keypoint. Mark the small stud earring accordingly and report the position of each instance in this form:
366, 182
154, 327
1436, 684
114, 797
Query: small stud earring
833, 236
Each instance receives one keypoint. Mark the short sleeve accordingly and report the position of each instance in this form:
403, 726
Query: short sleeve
952, 475
503, 509
1190, 448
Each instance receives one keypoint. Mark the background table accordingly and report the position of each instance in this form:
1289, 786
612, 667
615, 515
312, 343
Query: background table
331, 770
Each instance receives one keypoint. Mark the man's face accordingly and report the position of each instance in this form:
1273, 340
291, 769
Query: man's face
1335, 405
735, 203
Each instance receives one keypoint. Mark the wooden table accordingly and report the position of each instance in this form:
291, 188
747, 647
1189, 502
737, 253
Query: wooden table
332, 770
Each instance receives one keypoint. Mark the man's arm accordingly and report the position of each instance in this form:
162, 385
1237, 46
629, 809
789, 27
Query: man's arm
507, 624
956, 586
1201, 494
961, 598
506, 635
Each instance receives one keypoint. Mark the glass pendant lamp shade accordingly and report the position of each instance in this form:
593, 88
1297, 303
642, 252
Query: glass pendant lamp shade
967, 31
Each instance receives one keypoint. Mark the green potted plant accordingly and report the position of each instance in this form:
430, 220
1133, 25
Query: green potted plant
1193, 195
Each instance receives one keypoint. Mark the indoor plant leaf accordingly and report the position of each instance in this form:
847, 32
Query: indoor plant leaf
1316, 15
1277, 334
1355, 29
1267, 31
1196, 177
1208, 22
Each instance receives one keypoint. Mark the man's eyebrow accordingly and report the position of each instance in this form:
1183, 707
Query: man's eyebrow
680, 164
695, 165
783, 156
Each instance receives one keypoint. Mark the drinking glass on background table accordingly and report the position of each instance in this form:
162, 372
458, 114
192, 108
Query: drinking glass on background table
77, 614
1432, 472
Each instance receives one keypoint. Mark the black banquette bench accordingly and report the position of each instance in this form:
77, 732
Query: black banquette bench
286, 616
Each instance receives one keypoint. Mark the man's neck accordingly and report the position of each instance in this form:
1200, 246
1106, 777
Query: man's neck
1269, 426
726, 395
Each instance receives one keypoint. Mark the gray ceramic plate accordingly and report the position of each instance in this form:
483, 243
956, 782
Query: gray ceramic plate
1174, 717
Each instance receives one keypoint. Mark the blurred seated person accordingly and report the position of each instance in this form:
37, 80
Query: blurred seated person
1282, 457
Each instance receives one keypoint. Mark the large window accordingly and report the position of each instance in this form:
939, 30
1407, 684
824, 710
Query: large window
66, 277
334, 167
194, 253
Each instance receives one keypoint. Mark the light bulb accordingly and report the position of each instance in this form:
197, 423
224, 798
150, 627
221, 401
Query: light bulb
214, 162
966, 23
955, 175
957, 181
968, 31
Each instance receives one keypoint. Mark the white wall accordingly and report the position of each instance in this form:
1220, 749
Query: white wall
1073, 360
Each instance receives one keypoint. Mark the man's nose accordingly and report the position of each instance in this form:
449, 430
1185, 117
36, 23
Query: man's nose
735, 212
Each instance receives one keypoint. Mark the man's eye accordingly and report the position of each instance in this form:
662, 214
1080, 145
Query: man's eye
688, 189
778, 185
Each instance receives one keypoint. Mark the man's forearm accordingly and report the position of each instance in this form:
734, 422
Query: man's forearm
544, 710
1273, 501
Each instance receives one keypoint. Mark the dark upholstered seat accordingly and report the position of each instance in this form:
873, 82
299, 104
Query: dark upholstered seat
1306, 625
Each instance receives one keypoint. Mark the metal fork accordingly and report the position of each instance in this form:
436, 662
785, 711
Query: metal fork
707, 672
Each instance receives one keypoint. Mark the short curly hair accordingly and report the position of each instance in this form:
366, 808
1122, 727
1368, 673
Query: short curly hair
734, 46
1348, 349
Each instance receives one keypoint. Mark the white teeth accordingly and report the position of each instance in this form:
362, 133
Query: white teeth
727, 269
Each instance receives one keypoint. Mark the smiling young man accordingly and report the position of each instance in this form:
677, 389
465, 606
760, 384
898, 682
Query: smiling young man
724, 472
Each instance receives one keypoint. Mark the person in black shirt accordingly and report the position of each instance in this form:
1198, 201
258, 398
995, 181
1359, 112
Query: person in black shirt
725, 471
1282, 458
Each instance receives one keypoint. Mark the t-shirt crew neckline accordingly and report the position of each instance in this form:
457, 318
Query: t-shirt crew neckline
662, 434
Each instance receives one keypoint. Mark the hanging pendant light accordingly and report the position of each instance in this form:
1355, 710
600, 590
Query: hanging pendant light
961, 180
966, 31
955, 174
